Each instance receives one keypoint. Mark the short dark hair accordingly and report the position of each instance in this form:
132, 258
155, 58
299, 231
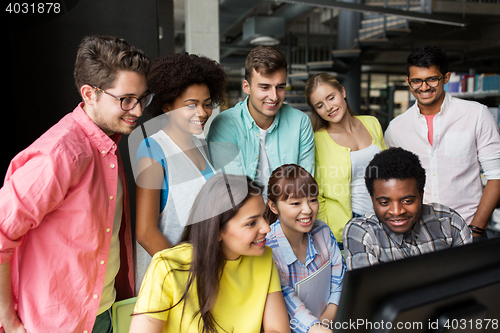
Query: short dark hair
395, 163
266, 60
101, 58
427, 56
172, 73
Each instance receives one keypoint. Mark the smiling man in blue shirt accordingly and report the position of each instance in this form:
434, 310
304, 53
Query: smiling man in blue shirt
261, 133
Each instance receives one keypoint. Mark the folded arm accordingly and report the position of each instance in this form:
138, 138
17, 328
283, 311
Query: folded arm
358, 246
8, 315
148, 189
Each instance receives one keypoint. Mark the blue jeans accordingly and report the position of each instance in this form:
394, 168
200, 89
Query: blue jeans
103, 323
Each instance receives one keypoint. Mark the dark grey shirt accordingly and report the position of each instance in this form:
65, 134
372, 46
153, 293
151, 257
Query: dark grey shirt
368, 242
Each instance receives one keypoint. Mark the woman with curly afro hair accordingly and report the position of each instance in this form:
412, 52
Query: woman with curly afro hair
172, 165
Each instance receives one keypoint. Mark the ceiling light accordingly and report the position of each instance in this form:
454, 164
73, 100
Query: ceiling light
264, 40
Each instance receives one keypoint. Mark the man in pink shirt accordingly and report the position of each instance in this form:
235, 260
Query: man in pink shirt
453, 138
65, 233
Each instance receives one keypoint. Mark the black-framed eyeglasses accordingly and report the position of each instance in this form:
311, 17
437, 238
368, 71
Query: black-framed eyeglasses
130, 102
430, 81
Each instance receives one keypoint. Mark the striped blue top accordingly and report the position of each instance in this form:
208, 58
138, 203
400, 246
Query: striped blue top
321, 247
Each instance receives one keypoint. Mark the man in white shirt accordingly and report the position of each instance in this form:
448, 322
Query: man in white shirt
453, 138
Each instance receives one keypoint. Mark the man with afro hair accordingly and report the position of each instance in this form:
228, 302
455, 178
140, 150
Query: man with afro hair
400, 225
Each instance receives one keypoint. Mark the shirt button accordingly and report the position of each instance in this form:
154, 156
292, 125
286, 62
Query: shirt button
111, 197
102, 262
256, 157
96, 296
85, 331
108, 229
112, 166
103, 152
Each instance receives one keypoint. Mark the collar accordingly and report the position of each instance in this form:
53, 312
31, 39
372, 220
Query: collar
427, 214
286, 248
446, 102
444, 106
413, 233
251, 122
104, 143
312, 250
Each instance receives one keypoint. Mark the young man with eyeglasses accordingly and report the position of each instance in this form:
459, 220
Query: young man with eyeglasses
65, 233
454, 139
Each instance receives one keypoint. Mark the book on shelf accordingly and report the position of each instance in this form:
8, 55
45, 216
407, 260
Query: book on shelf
488, 82
461, 83
453, 85
467, 83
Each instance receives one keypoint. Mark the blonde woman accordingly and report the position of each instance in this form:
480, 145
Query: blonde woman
345, 144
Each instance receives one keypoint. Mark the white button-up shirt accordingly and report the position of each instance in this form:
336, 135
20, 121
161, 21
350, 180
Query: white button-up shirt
465, 136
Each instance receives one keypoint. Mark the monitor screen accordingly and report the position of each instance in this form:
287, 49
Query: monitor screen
453, 290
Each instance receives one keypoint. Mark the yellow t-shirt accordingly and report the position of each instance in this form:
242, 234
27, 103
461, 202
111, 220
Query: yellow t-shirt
239, 307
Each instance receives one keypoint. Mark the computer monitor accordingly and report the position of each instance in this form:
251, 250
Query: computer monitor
452, 290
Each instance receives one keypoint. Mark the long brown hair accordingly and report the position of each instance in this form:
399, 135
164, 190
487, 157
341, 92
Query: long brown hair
314, 81
218, 201
289, 181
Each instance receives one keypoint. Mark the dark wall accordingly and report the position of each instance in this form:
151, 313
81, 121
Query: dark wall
38, 55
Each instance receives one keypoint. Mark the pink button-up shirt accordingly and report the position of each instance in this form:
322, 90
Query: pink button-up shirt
56, 218
463, 133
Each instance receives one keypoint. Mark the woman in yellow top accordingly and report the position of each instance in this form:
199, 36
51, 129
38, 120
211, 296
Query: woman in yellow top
223, 247
345, 144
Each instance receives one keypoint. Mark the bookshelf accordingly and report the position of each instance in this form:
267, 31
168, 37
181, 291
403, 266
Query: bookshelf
476, 94
475, 86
